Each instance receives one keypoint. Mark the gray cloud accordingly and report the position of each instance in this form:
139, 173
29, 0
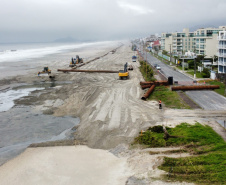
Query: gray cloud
46, 20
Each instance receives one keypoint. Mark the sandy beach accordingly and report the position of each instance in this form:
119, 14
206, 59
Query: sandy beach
65, 165
111, 114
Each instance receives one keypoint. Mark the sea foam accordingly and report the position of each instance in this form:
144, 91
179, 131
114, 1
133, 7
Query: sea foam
20, 54
7, 98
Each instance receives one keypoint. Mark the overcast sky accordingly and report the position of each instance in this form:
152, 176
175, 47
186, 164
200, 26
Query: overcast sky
47, 20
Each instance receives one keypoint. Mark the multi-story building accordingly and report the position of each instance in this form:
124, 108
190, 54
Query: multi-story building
203, 41
222, 52
177, 42
206, 41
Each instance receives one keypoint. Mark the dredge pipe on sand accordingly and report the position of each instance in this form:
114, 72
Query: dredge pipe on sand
195, 87
155, 83
87, 71
147, 94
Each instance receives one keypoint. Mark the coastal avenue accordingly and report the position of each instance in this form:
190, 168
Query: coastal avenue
208, 100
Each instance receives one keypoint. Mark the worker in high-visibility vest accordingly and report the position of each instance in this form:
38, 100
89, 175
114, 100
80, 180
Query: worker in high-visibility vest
160, 104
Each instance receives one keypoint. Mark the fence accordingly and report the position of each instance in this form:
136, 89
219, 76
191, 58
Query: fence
221, 77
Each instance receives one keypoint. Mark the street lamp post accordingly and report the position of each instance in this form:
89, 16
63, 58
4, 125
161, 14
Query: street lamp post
195, 67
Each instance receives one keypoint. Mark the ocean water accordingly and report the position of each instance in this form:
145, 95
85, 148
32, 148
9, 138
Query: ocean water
18, 59
20, 127
22, 52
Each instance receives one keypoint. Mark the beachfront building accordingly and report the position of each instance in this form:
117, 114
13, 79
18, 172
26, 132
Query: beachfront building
178, 42
222, 52
203, 41
206, 41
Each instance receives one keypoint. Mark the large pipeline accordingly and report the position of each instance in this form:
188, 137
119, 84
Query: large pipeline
145, 86
87, 71
195, 87
147, 94
155, 83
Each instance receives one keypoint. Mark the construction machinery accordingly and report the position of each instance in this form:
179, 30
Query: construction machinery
75, 61
45, 70
130, 67
124, 74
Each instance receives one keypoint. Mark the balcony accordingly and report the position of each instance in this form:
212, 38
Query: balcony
221, 63
222, 37
222, 47
198, 36
222, 55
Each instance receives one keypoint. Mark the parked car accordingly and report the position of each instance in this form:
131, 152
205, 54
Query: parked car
157, 67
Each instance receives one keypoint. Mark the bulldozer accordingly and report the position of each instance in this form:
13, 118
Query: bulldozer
124, 74
45, 70
75, 61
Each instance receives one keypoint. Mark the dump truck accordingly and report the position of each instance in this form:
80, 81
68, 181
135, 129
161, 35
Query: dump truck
124, 74
75, 61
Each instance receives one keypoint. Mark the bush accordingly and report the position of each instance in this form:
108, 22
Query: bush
191, 64
205, 73
151, 139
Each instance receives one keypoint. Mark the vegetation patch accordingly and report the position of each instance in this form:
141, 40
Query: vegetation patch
209, 164
146, 71
170, 98
220, 91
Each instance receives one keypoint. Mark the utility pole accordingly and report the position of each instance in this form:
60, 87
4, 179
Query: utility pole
170, 53
183, 64
146, 65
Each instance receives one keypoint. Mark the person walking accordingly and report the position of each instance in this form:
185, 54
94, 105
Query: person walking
160, 104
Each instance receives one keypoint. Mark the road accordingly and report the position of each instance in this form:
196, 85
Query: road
208, 100
167, 70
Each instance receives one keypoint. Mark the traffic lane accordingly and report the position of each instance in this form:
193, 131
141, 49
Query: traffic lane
167, 70
208, 100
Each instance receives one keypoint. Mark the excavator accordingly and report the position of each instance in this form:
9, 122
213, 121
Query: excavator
124, 74
46, 70
75, 61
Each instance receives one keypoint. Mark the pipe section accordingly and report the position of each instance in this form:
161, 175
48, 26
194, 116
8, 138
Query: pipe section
195, 87
87, 71
147, 94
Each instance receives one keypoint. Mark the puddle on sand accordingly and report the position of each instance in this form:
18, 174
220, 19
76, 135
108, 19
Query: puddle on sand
20, 127
222, 122
46, 85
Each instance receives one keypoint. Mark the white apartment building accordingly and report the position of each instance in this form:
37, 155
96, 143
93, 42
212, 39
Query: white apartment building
178, 42
222, 52
207, 41
203, 41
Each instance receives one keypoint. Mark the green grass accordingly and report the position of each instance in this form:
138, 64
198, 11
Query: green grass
198, 74
209, 164
222, 87
170, 98
215, 82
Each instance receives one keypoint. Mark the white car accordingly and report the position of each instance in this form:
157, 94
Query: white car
157, 67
